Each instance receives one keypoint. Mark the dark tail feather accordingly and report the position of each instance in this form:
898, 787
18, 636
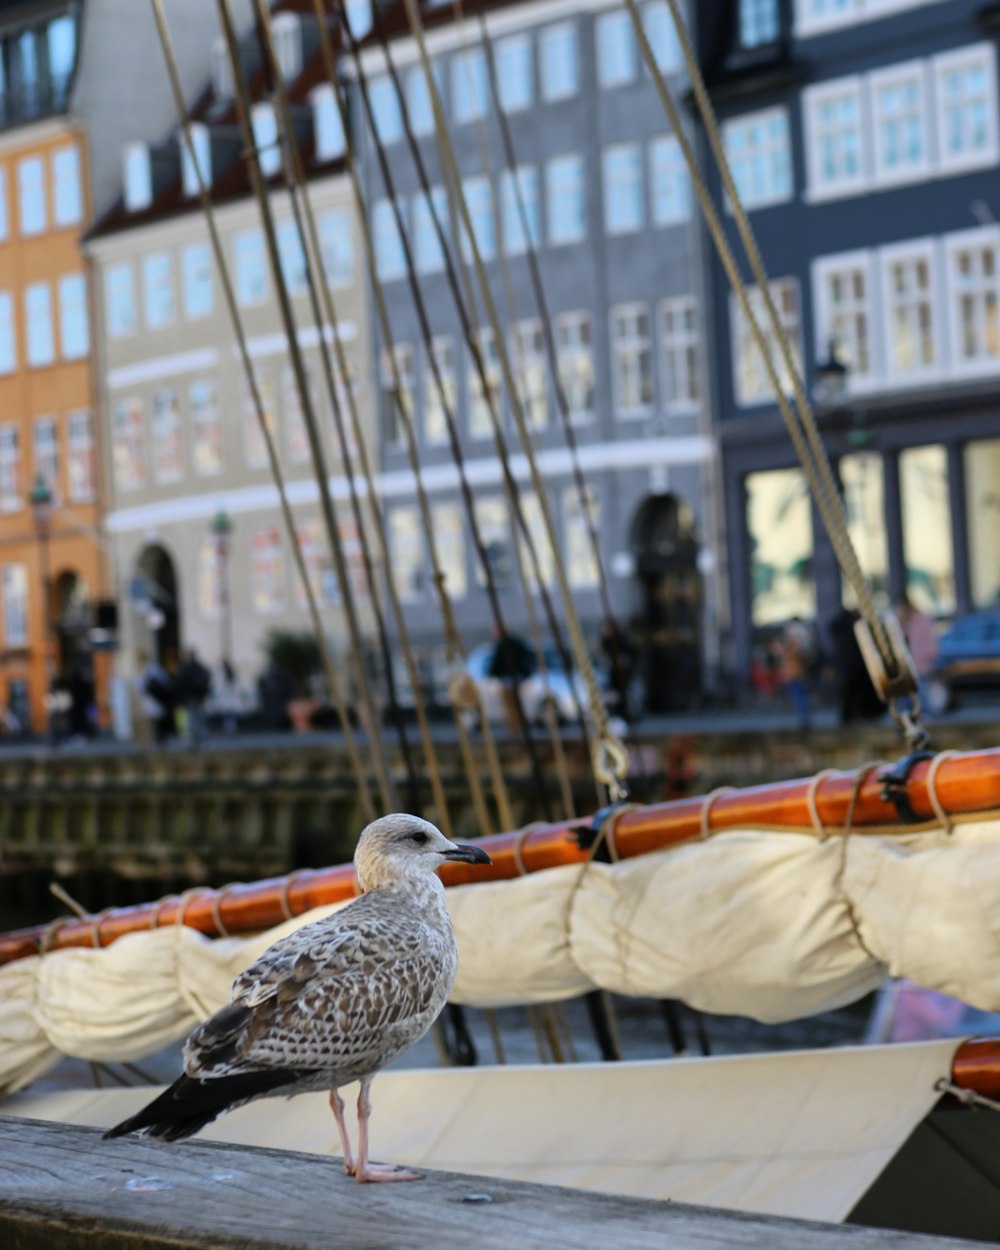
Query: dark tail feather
188, 1105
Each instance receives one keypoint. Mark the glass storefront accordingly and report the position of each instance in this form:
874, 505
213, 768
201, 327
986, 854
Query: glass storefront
863, 484
982, 502
927, 542
779, 525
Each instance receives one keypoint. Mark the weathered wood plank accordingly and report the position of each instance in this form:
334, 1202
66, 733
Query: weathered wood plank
62, 1187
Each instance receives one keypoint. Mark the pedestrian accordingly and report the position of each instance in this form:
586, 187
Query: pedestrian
619, 658
857, 697
795, 662
921, 638
194, 684
511, 662
156, 697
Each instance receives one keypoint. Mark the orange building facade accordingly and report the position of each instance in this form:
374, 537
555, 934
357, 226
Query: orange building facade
52, 573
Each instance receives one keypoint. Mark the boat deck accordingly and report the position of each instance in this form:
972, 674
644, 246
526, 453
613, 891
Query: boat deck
64, 1188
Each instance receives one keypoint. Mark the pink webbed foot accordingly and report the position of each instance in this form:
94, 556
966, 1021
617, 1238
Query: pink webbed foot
376, 1172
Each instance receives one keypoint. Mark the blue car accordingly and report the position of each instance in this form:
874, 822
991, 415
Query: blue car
968, 657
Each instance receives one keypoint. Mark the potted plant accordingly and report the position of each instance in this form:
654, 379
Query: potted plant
293, 664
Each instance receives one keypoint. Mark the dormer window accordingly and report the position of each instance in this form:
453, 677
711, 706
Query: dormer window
287, 31
138, 177
201, 143
328, 131
760, 23
359, 17
265, 137
221, 70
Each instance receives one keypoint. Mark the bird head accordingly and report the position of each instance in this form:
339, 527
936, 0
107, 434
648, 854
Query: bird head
399, 847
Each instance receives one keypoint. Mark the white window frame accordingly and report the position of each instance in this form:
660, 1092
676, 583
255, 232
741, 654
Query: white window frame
808, 24
441, 402
10, 468
118, 279
736, 320
27, 189
4, 205
530, 364
609, 75
670, 145
386, 232
550, 37
385, 111
985, 55
328, 133
478, 402
337, 222
469, 76
976, 238
618, 310
762, 117
194, 258
198, 163
572, 321
45, 451
565, 178
519, 189
812, 100
67, 188
473, 189
166, 436
8, 334
267, 564
252, 242
905, 71
428, 255
73, 300
266, 138
40, 352
840, 262
15, 604
158, 271
516, 45
137, 177
923, 249
286, 31
611, 189
681, 342
81, 449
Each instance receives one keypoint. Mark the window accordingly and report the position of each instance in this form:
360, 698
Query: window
757, 148
293, 259
843, 294
267, 568
210, 575
623, 189
575, 362
753, 386
81, 462
406, 550
8, 346
15, 605
168, 448
38, 317
534, 523
138, 177
328, 130
265, 138
617, 56
119, 290
311, 537
531, 371
418, 102
390, 257
669, 182
679, 353
863, 485
479, 201
449, 539
900, 122
200, 163
427, 254
493, 523
779, 532
469, 85
760, 22
385, 109
287, 34
74, 331
254, 445
982, 501
632, 359
158, 284
566, 195
974, 295
4, 219
908, 284
206, 428
512, 59
558, 61
480, 421
519, 207
407, 369
965, 84
128, 445
61, 40
296, 436
251, 273
68, 206
579, 516
439, 401
46, 451
925, 500
813, 17
659, 27
10, 469
336, 243
220, 70
31, 195
196, 275
836, 159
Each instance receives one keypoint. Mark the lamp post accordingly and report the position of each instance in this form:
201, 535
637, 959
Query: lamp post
42, 500
222, 528
831, 381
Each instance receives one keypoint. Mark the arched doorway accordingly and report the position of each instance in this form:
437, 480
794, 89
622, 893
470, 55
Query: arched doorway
73, 620
665, 546
153, 591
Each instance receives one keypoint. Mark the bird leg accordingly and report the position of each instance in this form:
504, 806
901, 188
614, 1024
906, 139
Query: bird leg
366, 1171
337, 1107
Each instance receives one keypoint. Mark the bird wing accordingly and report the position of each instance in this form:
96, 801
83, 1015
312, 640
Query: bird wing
337, 993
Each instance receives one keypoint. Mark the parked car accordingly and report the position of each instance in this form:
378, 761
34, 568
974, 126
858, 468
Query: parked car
555, 688
968, 659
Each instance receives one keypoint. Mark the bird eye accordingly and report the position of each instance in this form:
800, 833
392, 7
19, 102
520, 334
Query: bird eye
419, 838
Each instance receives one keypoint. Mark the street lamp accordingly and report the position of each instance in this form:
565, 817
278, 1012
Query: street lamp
222, 528
831, 381
42, 500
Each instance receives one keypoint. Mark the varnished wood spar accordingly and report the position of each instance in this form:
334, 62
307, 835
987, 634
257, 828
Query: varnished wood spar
63, 1188
965, 783
976, 1066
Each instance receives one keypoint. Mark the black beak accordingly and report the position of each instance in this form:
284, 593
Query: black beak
465, 854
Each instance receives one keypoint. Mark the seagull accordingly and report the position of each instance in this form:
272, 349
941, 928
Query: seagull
333, 1002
